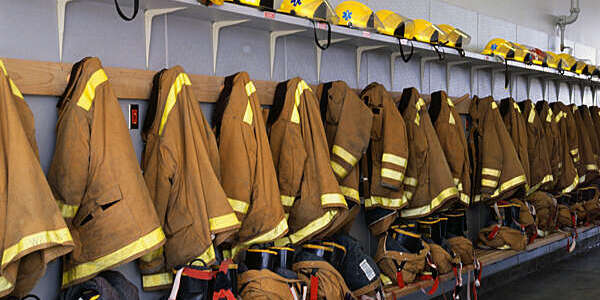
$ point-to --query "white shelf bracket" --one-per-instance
(529, 79)
(557, 88)
(424, 60)
(393, 58)
(61, 6)
(494, 80)
(582, 90)
(149, 14)
(593, 89)
(474, 70)
(273, 41)
(571, 92)
(449, 67)
(215, 28)
(320, 54)
(359, 52)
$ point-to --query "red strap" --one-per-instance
(494, 232)
(400, 279)
(435, 286)
(227, 294)
(533, 237)
(198, 274)
(314, 287)
(225, 266)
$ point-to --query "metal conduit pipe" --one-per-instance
(563, 21)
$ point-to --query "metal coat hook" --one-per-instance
(149, 14)
(320, 54)
(60, 14)
(359, 52)
(216, 27)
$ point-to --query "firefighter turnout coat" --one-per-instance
(247, 172)
(309, 190)
(347, 122)
(515, 125)
(428, 184)
(451, 134)
(497, 170)
(586, 128)
(33, 232)
(540, 171)
(384, 164)
(181, 168)
(569, 151)
(96, 179)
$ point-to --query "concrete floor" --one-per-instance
(577, 277)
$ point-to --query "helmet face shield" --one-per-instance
(569, 63)
(395, 24)
(357, 15)
(318, 10)
(455, 37)
(262, 4)
(428, 33)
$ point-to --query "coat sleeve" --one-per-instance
(289, 156)
(395, 147)
(71, 160)
(352, 137)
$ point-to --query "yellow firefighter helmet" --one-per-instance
(357, 15)
(264, 4)
(318, 10)
(395, 24)
(454, 37)
(428, 33)
(569, 62)
(508, 50)
(553, 60)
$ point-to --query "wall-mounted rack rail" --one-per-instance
(278, 24)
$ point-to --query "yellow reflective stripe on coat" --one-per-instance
(509, 184)
(489, 183)
(394, 159)
(157, 280)
(574, 151)
(67, 211)
(271, 235)
(3, 68)
(350, 193)
(391, 174)
(345, 155)
(287, 200)
(5, 285)
(238, 205)
(385, 280)
(89, 92)
(591, 167)
(435, 204)
(549, 116)
(531, 117)
(544, 180)
(338, 169)
(451, 120)
(142, 244)
(249, 115)
(181, 80)
(494, 105)
(302, 86)
(152, 255)
(490, 172)
(411, 181)
(208, 256)
(313, 226)
(333, 199)
(26, 243)
(15, 89)
(222, 222)
(465, 199)
(572, 186)
(387, 202)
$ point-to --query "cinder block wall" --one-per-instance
(28, 31)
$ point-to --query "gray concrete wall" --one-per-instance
(28, 31)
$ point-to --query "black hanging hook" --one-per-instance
(136, 8)
(322, 47)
